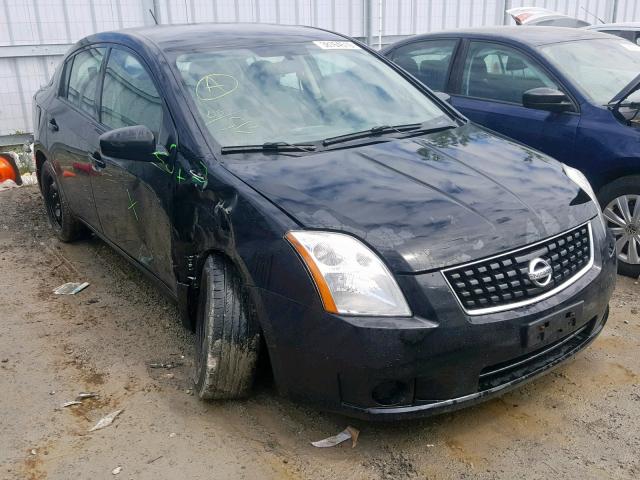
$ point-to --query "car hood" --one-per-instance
(425, 202)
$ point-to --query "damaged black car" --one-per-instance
(297, 194)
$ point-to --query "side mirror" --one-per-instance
(548, 99)
(445, 97)
(129, 143)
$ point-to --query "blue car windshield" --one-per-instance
(298, 93)
(600, 68)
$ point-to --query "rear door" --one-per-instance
(491, 80)
(427, 60)
(134, 197)
(73, 128)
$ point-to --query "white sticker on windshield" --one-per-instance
(335, 45)
(630, 46)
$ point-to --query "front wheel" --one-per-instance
(227, 337)
(620, 202)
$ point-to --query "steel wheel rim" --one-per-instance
(623, 218)
(53, 202)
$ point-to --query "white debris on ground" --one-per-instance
(29, 179)
(7, 184)
(105, 421)
(348, 433)
(70, 288)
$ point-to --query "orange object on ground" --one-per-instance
(7, 171)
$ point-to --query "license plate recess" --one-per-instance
(553, 327)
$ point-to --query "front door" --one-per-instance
(493, 80)
(133, 197)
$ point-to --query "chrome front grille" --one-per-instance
(503, 282)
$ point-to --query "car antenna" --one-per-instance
(592, 14)
(154, 17)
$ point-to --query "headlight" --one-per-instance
(350, 278)
(579, 179)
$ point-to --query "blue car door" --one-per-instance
(492, 80)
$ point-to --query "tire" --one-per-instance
(65, 225)
(624, 191)
(227, 337)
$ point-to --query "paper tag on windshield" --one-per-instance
(335, 45)
(631, 46)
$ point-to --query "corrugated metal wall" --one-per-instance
(35, 33)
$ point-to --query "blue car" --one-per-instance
(570, 93)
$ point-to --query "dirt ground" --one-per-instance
(581, 421)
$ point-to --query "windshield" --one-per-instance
(600, 68)
(298, 92)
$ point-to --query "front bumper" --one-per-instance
(436, 361)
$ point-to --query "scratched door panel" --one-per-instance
(128, 196)
(132, 195)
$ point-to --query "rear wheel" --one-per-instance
(66, 226)
(620, 201)
(227, 338)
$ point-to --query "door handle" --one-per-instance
(53, 125)
(97, 161)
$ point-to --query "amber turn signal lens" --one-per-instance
(318, 278)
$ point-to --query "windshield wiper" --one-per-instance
(269, 147)
(371, 132)
(410, 129)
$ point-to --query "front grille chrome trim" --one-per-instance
(530, 301)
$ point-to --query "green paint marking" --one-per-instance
(180, 177)
(196, 177)
(132, 205)
(163, 165)
(206, 172)
(200, 178)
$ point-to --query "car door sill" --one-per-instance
(166, 289)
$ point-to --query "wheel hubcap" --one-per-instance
(623, 218)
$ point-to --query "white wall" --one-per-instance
(34, 27)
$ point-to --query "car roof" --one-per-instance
(531, 35)
(216, 35)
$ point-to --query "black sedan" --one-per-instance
(293, 190)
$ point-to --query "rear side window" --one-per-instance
(497, 72)
(129, 96)
(83, 79)
(428, 61)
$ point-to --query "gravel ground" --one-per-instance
(581, 421)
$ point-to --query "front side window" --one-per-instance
(297, 93)
(600, 68)
(83, 79)
(496, 72)
(129, 96)
(428, 61)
